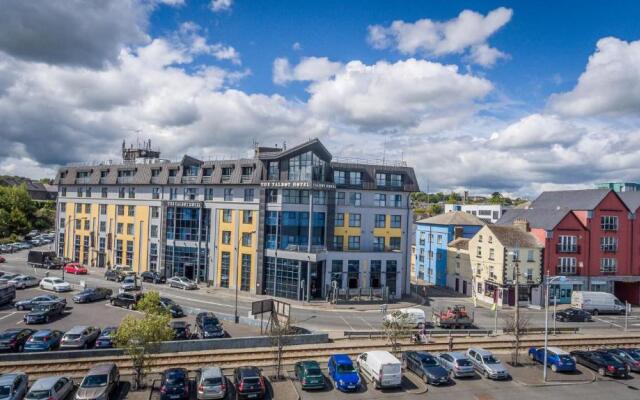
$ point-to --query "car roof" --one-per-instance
(457, 355)
(9, 378)
(342, 359)
(100, 369)
(558, 351)
(77, 329)
(250, 371)
(43, 332)
(309, 364)
(211, 372)
(45, 383)
(481, 351)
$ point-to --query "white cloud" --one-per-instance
(221, 5)
(537, 130)
(309, 69)
(609, 85)
(296, 46)
(189, 35)
(468, 32)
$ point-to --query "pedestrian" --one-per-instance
(450, 343)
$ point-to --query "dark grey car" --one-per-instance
(80, 337)
(13, 386)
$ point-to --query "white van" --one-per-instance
(416, 316)
(597, 302)
(381, 368)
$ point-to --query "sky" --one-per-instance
(512, 96)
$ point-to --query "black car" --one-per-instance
(630, 357)
(603, 362)
(426, 367)
(45, 298)
(44, 312)
(116, 275)
(126, 300)
(573, 315)
(92, 294)
(208, 326)
(181, 330)
(249, 383)
(174, 309)
(14, 339)
(153, 277)
(175, 384)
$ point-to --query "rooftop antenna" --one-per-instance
(284, 145)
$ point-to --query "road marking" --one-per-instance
(367, 322)
(1, 318)
(196, 300)
(346, 322)
(608, 322)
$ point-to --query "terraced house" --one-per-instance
(290, 223)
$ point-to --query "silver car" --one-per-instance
(100, 383)
(80, 337)
(486, 364)
(50, 388)
(457, 363)
(182, 282)
(24, 281)
(211, 384)
(13, 386)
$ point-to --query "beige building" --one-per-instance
(459, 274)
(495, 253)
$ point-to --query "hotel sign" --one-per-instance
(297, 185)
(189, 204)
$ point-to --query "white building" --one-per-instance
(487, 212)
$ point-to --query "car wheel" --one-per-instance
(20, 308)
(601, 371)
(595, 312)
(425, 378)
(554, 368)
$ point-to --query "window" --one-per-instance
(131, 211)
(354, 242)
(61, 224)
(392, 275)
(63, 207)
(354, 220)
(154, 231)
(190, 193)
(246, 239)
(247, 172)
(396, 221)
(153, 256)
(274, 171)
(339, 177)
(567, 265)
(608, 265)
(248, 195)
(339, 221)
(87, 191)
(208, 193)
(86, 224)
(515, 255)
(225, 265)
(132, 192)
(79, 192)
(353, 274)
(247, 217)
(120, 209)
(395, 243)
(87, 208)
(530, 256)
(63, 191)
(155, 193)
(378, 243)
(319, 197)
(381, 179)
(130, 229)
(121, 191)
(340, 198)
(118, 251)
(295, 196)
(155, 212)
(173, 193)
(129, 254)
(609, 223)
(478, 251)
(355, 178)
(78, 208)
(355, 199)
(380, 220)
(173, 172)
(226, 237)
(490, 240)
(228, 194)
(272, 196)
(609, 244)
(529, 275)
(103, 226)
(380, 200)
(245, 272)
(78, 224)
(439, 239)
(336, 273)
(395, 180)
(226, 173)
(155, 172)
(492, 254)
(480, 238)
(375, 274)
(567, 244)
(226, 215)
(102, 244)
(104, 191)
(396, 200)
(191, 170)
(207, 171)
(338, 242)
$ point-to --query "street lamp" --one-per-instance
(546, 321)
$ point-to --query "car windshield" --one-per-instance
(344, 368)
(72, 336)
(565, 358)
(463, 362)
(38, 394)
(314, 372)
(429, 362)
(175, 380)
(5, 391)
(609, 358)
(7, 335)
(41, 307)
(212, 381)
(94, 381)
(490, 360)
(251, 380)
(211, 323)
(55, 281)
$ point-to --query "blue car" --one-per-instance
(558, 359)
(105, 340)
(344, 375)
(44, 340)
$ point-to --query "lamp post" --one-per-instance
(515, 253)
(546, 321)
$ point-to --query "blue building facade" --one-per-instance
(432, 236)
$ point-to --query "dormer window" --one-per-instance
(226, 173)
(207, 171)
(155, 172)
(104, 173)
(191, 170)
(173, 172)
(247, 171)
(124, 173)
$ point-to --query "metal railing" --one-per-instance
(189, 179)
(364, 161)
(83, 180)
(563, 248)
(566, 270)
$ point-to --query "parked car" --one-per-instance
(80, 337)
(129, 283)
(211, 384)
(602, 362)
(558, 359)
(13, 386)
(76, 269)
(44, 259)
(573, 315)
(631, 357)
(486, 364)
(7, 293)
(415, 317)
(426, 367)
(13, 340)
(105, 340)
(92, 294)
(44, 312)
(174, 309)
(174, 384)
(181, 282)
(50, 388)
(44, 340)
(118, 273)
(249, 383)
(181, 330)
(153, 277)
(28, 304)
(309, 374)
(24, 281)
(381, 368)
(55, 284)
(597, 302)
(8, 276)
(209, 326)
(126, 300)
(457, 364)
(101, 382)
(343, 374)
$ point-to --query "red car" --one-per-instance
(75, 268)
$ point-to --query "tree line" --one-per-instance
(19, 214)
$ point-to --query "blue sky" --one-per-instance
(517, 97)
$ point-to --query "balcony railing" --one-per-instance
(83, 180)
(125, 179)
(609, 249)
(567, 271)
(174, 179)
(156, 179)
(226, 178)
(189, 179)
(305, 249)
(564, 248)
(207, 179)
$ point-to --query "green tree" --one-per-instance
(496, 198)
(452, 199)
(396, 326)
(435, 209)
(150, 304)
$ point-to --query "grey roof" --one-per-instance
(512, 236)
(453, 218)
(45, 383)
(546, 219)
(7, 379)
(586, 199)
(459, 243)
(631, 200)
(99, 369)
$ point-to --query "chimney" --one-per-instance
(521, 224)
(457, 232)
